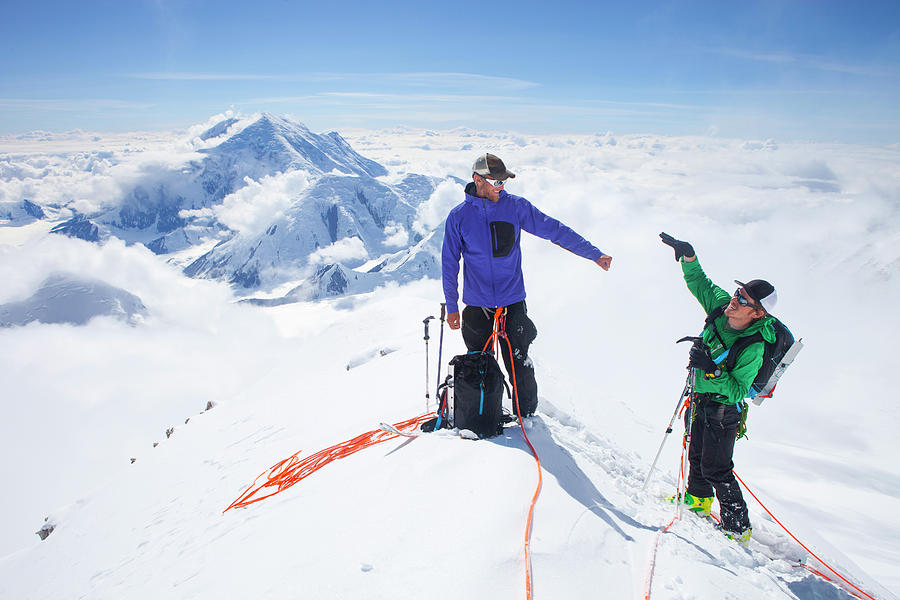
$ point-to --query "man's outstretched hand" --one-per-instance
(604, 261)
(681, 248)
(453, 320)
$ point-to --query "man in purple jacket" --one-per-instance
(485, 231)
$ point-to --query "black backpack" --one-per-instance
(478, 385)
(777, 355)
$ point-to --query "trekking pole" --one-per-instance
(427, 396)
(437, 393)
(684, 391)
(685, 458)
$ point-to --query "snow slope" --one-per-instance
(441, 515)
(437, 513)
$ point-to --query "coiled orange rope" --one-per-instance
(291, 470)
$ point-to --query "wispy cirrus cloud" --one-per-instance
(419, 79)
(374, 97)
(814, 62)
(459, 79)
(183, 76)
(70, 105)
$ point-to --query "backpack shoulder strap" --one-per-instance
(715, 314)
(738, 346)
(711, 322)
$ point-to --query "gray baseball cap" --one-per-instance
(488, 165)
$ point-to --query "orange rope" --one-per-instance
(495, 337)
(826, 565)
(648, 582)
(817, 572)
(812, 570)
(291, 470)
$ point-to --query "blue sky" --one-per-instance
(790, 70)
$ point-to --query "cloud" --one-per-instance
(397, 236)
(256, 205)
(433, 211)
(88, 182)
(343, 250)
(183, 76)
(420, 79)
(814, 62)
(459, 80)
(79, 105)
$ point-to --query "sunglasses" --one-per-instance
(494, 182)
(743, 301)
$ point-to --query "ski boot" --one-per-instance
(739, 537)
(701, 506)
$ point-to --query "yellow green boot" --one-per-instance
(741, 538)
(700, 506)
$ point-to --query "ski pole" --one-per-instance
(684, 391)
(427, 396)
(688, 388)
(437, 393)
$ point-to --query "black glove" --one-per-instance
(701, 360)
(681, 248)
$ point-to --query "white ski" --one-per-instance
(788, 358)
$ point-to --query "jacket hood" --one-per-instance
(764, 326)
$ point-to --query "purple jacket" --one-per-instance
(486, 235)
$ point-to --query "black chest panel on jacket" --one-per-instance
(503, 238)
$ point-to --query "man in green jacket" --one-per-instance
(719, 393)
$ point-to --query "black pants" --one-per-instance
(713, 434)
(477, 327)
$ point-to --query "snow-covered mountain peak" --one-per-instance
(279, 145)
(218, 129)
(69, 298)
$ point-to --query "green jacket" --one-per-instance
(732, 386)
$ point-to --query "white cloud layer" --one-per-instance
(397, 236)
(256, 205)
(344, 250)
(434, 210)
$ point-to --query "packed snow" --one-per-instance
(131, 439)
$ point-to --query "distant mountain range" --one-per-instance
(348, 231)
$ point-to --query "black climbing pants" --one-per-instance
(713, 433)
(477, 327)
